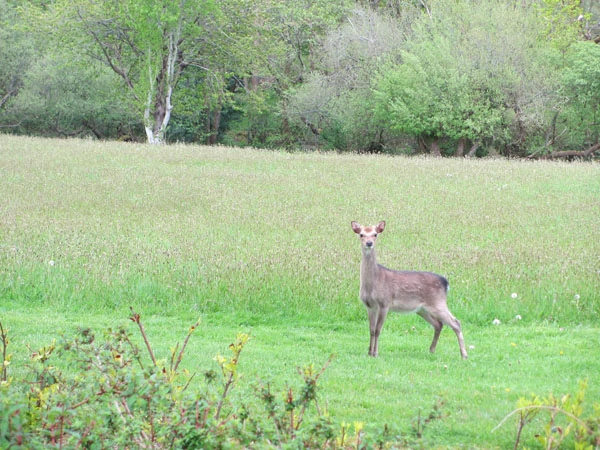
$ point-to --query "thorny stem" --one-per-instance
(188, 382)
(135, 351)
(136, 318)
(83, 402)
(418, 427)
(290, 401)
(4, 337)
(225, 391)
(61, 431)
(522, 423)
(314, 381)
(185, 342)
(151, 420)
(173, 352)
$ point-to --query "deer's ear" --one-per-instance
(380, 227)
(356, 227)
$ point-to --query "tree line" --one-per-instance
(447, 77)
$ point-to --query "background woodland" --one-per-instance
(512, 78)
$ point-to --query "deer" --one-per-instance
(383, 290)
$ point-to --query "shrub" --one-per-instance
(565, 421)
(114, 395)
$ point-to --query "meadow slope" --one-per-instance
(261, 241)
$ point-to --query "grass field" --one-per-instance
(260, 241)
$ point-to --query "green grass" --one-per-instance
(261, 241)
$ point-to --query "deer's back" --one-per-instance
(405, 291)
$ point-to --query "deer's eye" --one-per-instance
(362, 234)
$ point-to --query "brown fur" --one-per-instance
(383, 290)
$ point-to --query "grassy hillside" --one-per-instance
(179, 229)
(261, 241)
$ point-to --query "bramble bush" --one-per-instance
(116, 395)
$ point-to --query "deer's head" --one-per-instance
(368, 235)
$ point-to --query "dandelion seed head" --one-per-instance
(518, 317)
(496, 322)
(51, 262)
(514, 295)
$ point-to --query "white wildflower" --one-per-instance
(513, 295)
(496, 322)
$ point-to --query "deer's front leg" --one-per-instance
(376, 319)
(373, 316)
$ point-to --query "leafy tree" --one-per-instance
(409, 103)
(147, 44)
(334, 105)
(563, 21)
(571, 116)
(16, 50)
(579, 123)
(466, 74)
(47, 90)
(592, 20)
(288, 38)
(350, 75)
(61, 96)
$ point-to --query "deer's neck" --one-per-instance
(368, 270)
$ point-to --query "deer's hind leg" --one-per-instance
(455, 325)
(447, 318)
(435, 323)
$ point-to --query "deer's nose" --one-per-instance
(369, 244)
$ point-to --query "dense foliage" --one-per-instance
(446, 77)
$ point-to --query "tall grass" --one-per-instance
(183, 229)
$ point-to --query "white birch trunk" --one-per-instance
(155, 131)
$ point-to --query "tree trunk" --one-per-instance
(460, 149)
(160, 93)
(435, 147)
(311, 126)
(521, 128)
(572, 153)
(422, 144)
(156, 126)
(473, 149)
(214, 125)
